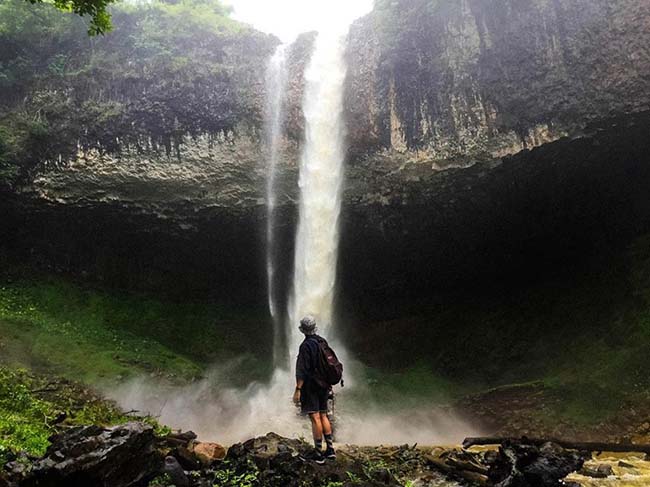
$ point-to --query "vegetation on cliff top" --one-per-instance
(167, 69)
(100, 19)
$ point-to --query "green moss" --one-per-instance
(406, 388)
(33, 407)
(96, 337)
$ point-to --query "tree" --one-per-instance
(100, 21)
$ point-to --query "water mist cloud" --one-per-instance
(217, 411)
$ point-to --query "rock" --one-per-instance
(4, 481)
(208, 453)
(601, 471)
(186, 458)
(521, 465)
(280, 462)
(175, 439)
(122, 456)
(17, 468)
(384, 476)
(623, 464)
(175, 472)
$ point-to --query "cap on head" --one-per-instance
(308, 325)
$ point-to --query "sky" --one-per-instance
(288, 18)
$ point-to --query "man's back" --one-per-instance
(308, 358)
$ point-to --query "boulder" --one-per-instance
(121, 456)
(519, 464)
(601, 471)
(175, 472)
(283, 462)
(208, 453)
(186, 458)
(180, 438)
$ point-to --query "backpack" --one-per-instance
(329, 371)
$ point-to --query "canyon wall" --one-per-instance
(486, 139)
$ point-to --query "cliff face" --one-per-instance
(451, 83)
(157, 171)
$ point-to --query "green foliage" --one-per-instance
(97, 336)
(33, 407)
(100, 19)
(167, 69)
(353, 477)
(228, 476)
(161, 480)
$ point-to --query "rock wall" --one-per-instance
(454, 82)
(444, 101)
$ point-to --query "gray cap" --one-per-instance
(308, 325)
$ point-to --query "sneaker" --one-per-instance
(330, 454)
(315, 456)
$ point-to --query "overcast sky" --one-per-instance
(288, 18)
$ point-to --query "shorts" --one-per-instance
(313, 399)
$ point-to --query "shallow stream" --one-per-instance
(630, 470)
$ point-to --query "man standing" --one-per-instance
(310, 392)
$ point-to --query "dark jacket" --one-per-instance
(308, 355)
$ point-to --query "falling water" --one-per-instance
(321, 174)
(276, 81)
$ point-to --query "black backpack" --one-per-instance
(329, 371)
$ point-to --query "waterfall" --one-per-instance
(276, 81)
(321, 174)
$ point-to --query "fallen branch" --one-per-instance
(44, 389)
(569, 445)
(468, 475)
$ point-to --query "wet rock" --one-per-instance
(601, 471)
(180, 439)
(282, 462)
(523, 465)
(175, 472)
(186, 458)
(122, 456)
(384, 476)
(208, 453)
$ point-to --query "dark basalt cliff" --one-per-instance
(448, 83)
(486, 139)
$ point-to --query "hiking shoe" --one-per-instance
(314, 456)
(330, 454)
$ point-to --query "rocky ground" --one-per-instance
(93, 443)
(531, 409)
(133, 455)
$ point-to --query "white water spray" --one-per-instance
(321, 176)
(276, 82)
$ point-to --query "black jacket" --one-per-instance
(308, 355)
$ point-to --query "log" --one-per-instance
(468, 475)
(569, 445)
(467, 465)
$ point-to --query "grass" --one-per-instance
(34, 407)
(96, 336)
(407, 388)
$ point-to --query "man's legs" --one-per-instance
(325, 421)
(317, 429)
(327, 430)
